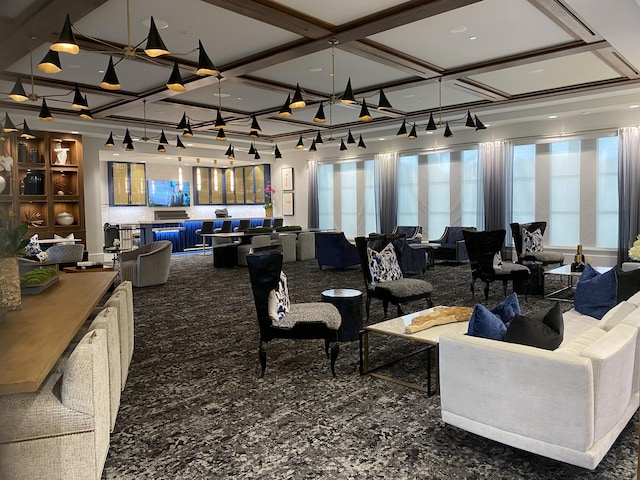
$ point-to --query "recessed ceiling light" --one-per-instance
(429, 132)
(221, 95)
(382, 139)
(409, 95)
(634, 106)
(100, 71)
(586, 112)
(315, 69)
(550, 116)
(537, 70)
(160, 24)
(458, 29)
(73, 132)
(116, 154)
(189, 144)
(473, 37)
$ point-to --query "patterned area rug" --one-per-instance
(195, 407)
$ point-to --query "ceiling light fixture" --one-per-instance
(285, 111)
(320, 118)
(297, 101)
(277, 153)
(313, 147)
(300, 144)
(383, 103)
(175, 83)
(361, 143)
(8, 126)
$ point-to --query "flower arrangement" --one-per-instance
(5, 163)
(634, 251)
(268, 191)
(12, 242)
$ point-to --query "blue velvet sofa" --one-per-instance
(334, 250)
(452, 247)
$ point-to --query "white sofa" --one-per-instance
(569, 404)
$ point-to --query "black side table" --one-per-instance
(349, 303)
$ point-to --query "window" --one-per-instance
(127, 184)
(325, 196)
(524, 183)
(607, 193)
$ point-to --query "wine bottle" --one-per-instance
(578, 261)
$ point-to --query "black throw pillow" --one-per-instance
(544, 329)
(628, 283)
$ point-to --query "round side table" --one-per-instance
(349, 303)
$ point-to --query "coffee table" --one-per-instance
(428, 338)
(565, 294)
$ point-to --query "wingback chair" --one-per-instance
(397, 291)
(278, 318)
(412, 233)
(527, 238)
(486, 265)
(452, 247)
(334, 250)
(147, 265)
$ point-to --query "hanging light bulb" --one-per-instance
(347, 96)
(205, 65)
(175, 82)
(110, 80)
(50, 63)
(45, 114)
(8, 126)
(17, 92)
(26, 131)
(285, 111)
(364, 116)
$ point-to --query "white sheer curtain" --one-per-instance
(493, 164)
(628, 189)
(387, 192)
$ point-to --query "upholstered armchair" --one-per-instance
(147, 265)
(411, 233)
(527, 238)
(65, 254)
(384, 279)
(484, 249)
(62, 430)
(278, 318)
(306, 246)
(410, 260)
(257, 241)
(451, 245)
(334, 250)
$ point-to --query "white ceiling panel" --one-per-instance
(338, 12)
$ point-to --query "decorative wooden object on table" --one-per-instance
(33, 338)
(439, 316)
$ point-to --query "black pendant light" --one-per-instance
(109, 142)
(8, 126)
(350, 138)
(175, 83)
(50, 63)
(300, 144)
(155, 46)
(45, 114)
(447, 131)
(110, 80)
(285, 111)
(383, 103)
(179, 144)
(364, 116)
(318, 139)
(320, 118)
(343, 147)
(221, 136)
(313, 147)
(66, 41)
(361, 143)
(297, 101)
(413, 134)
(431, 124)
(205, 65)
(78, 100)
(347, 96)
(403, 128)
(163, 138)
(277, 153)
(26, 131)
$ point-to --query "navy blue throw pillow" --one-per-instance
(596, 293)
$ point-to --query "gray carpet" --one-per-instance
(195, 408)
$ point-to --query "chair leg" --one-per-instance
(262, 354)
(367, 307)
(400, 311)
(505, 285)
(486, 291)
(473, 287)
(385, 307)
(429, 301)
(335, 349)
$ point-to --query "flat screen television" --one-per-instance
(167, 193)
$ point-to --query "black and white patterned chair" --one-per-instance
(384, 279)
(527, 238)
(278, 318)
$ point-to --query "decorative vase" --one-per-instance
(3, 183)
(10, 296)
(268, 211)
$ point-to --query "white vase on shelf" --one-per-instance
(3, 183)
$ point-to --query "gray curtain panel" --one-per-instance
(493, 163)
(628, 190)
(387, 191)
(313, 214)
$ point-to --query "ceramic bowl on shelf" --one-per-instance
(64, 218)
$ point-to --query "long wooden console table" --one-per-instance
(33, 338)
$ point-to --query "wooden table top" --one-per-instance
(33, 338)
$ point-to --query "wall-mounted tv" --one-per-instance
(167, 193)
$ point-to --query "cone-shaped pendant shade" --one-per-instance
(109, 142)
(313, 147)
(50, 63)
(17, 92)
(183, 122)
(319, 138)
(277, 153)
(479, 124)
(343, 147)
(383, 103)
(179, 144)
(431, 124)
(347, 96)
(447, 131)
(297, 101)
(155, 46)
(230, 153)
(163, 138)
(365, 116)
(66, 41)
(45, 114)
(221, 137)
(175, 82)
(403, 129)
(300, 144)
(252, 149)
(413, 134)
(8, 126)
(320, 118)
(127, 137)
(219, 121)
(205, 65)
(129, 147)
(350, 138)
(256, 155)
(162, 149)
(469, 123)
(110, 80)
(361, 143)
(26, 131)
(188, 133)
(85, 113)
(255, 127)
(285, 111)
(79, 100)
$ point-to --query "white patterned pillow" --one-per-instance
(497, 261)
(278, 303)
(531, 241)
(69, 237)
(33, 247)
(384, 265)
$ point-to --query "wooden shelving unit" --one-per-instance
(46, 180)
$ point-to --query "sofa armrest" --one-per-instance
(502, 390)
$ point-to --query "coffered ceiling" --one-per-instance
(500, 59)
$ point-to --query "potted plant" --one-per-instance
(268, 206)
(12, 245)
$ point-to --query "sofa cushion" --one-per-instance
(507, 309)
(70, 239)
(531, 241)
(578, 344)
(628, 283)
(614, 316)
(596, 292)
(278, 302)
(493, 323)
(543, 329)
(384, 265)
(33, 247)
(635, 299)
